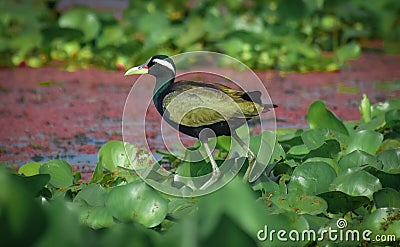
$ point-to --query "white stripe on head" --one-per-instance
(165, 64)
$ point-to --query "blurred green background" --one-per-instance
(287, 35)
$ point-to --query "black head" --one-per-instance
(158, 66)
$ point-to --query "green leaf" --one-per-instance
(138, 202)
(357, 158)
(390, 160)
(60, 173)
(92, 195)
(339, 202)
(311, 178)
(356, 183)
(319, 116)
(365, 109)
(368, 141)
(96, 217)
(299, 150)
(348, 51)
(30, 168)
(387, 198)
(301, 204)
(116, 153)
(35, 183)
(383, 222)
(81, 19)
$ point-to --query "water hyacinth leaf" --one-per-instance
(81, 19)
(356, 183)
(137, 202)
(314, 138)
(30, 168)
(368, 141)
(387, 198)
(392, 118)
(390, 160)
(382, 108)
(339, 202)
(383, 222)
(116, 153)
(319, 116)
(348, 51)
(311, 178)
(60, 173)
(96, 217)
(35, 183)
(301, 204)
(92, 195)
(299, 150)
(329, 149)
(386, 179)
(357, 158)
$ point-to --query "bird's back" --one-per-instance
(195, 104)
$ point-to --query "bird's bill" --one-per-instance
(138, 70)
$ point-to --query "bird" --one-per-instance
(201, 109)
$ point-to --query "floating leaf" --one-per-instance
(60, 173)
(137, 202)
(30, 168)
(96, 217)
(348, 51)
(116, 153)
(300, 204)
(390, 160)
(339, 202)
(365, 140)
(319, 116)
(357, 183)
(383, 222)
(92, 195)
(387, 198)
(311, 178)
(81, 19)
(357, 158)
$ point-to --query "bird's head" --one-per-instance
(158, 66)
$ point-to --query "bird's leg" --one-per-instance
(250, 155)
(216, 172)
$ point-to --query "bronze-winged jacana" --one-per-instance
(196, 108)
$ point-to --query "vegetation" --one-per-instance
(275, 34)
(332, 170)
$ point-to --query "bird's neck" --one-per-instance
(160, 90)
